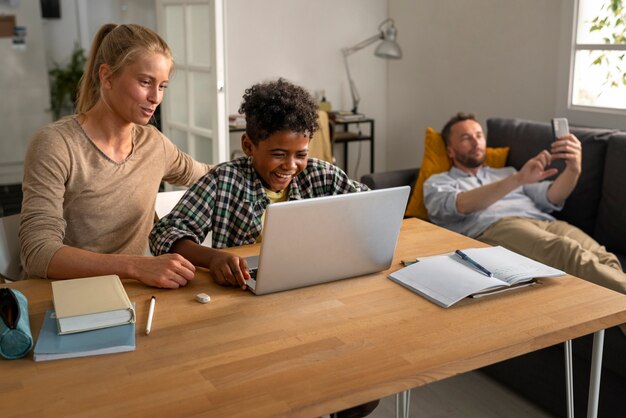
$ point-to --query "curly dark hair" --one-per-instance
(459, 117)
(278, 106)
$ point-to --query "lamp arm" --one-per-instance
(362, 44)
(349, 51)
(353, 91)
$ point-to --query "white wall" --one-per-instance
(493, 57)
(496, 58)
(60, 35)
(24, 89)
(301, 40)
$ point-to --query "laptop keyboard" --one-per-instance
(252, 272)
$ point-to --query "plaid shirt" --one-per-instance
(230, 200)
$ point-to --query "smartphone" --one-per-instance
(560, 127)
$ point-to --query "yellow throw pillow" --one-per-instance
(436, 161)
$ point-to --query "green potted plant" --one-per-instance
(64, 83)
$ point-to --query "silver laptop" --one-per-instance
(312, 241)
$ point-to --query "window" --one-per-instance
(599, 61)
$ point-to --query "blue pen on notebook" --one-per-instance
(473, 263)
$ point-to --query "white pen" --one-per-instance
(150, 315)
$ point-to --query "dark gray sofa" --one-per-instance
(598, 207)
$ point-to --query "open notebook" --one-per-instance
(312, 241)
(446, 279)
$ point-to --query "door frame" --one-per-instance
(219, 126)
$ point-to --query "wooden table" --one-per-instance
(304, 352)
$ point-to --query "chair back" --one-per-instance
(166, 201)
(320, 146)
(10, 248)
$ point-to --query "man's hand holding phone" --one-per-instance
(566, 146)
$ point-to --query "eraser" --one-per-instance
(203, 298)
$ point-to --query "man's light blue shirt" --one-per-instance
(441, 190)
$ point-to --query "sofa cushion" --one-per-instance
(434, 161)
(525, 138)
(582, 205)
(611, 224)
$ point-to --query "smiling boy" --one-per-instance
(230, 201)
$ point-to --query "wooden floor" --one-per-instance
(464, 396)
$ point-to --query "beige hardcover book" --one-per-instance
(91, 303)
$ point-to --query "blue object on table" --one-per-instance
(472, 262)
(16, 339)
(52, 346)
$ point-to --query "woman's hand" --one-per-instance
(169, 271)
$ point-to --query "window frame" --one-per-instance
(579, 114)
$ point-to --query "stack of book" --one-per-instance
(237, 121)
(346, 116)
(92, 316)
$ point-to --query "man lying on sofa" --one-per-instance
(503, 206)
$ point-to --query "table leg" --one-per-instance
(345, 157)
(596, 371)
(569, 379)
(403, 400)
(372, 147)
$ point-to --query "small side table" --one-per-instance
(236, 128)
(345, 136)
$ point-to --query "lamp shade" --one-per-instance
(389, 48)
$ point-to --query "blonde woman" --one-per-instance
(91, 179)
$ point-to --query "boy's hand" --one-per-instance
(229, 269)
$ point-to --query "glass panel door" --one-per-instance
(194, 105)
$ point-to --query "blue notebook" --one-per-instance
(52, 346)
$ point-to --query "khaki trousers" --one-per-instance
(560, 245)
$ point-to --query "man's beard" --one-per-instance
(471, 162)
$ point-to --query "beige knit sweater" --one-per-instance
(75, 195)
